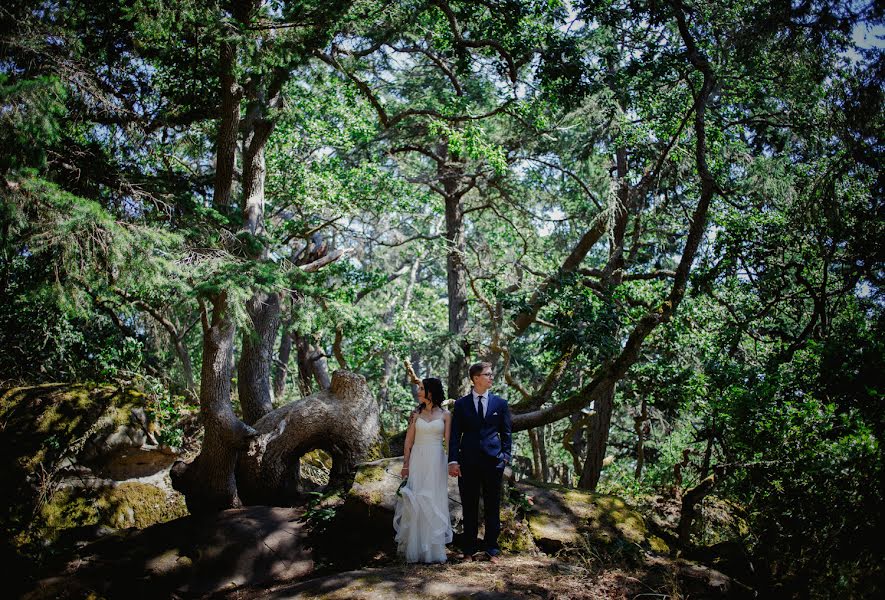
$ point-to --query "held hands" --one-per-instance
(454, 470)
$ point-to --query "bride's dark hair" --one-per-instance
(434, 390)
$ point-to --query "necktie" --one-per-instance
(480, 409)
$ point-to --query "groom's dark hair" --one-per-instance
(477, 368)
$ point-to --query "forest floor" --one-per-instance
(520, 577)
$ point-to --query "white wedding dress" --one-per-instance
(421, 518)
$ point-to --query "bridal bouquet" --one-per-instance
(399, 490)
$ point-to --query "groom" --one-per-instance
(478, 452)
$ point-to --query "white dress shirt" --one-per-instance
(476, 398)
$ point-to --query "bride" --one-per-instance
(421, 518)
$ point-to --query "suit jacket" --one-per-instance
(472, 438)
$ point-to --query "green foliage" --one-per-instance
(166, 410)
(471, 141)
(320, 511)
(30, 120)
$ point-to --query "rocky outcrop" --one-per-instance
(549, 517)
(79, 456)
(556, 520)
(563, 517)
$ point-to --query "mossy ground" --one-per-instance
(567, 518)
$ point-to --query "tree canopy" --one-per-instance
(660, 221)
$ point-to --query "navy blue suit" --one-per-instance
(482, 448)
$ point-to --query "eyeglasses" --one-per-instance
(489, 374)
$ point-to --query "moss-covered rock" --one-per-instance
(563, 517)
(75, 456)
(48, 423)
(129, 504)
(532, 515)
(516, 536)
(658, 545)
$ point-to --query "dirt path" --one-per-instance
(513, 577)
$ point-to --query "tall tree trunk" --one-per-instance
(457, 284)
(320, 367)
(539, 454)
(312, 364)
(256, 356)
(578, 442)
(254, 172)
(597, 441)
(639, 425)
(281, 370)
(305, 366)
(187, 368)
(537, 472)
(208, 483)
(573, 439)
(226, 143)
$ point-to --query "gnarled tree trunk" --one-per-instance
(281, 372)
(208, 483)
(343, 421)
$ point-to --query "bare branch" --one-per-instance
(573, 176)
(325, 260)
